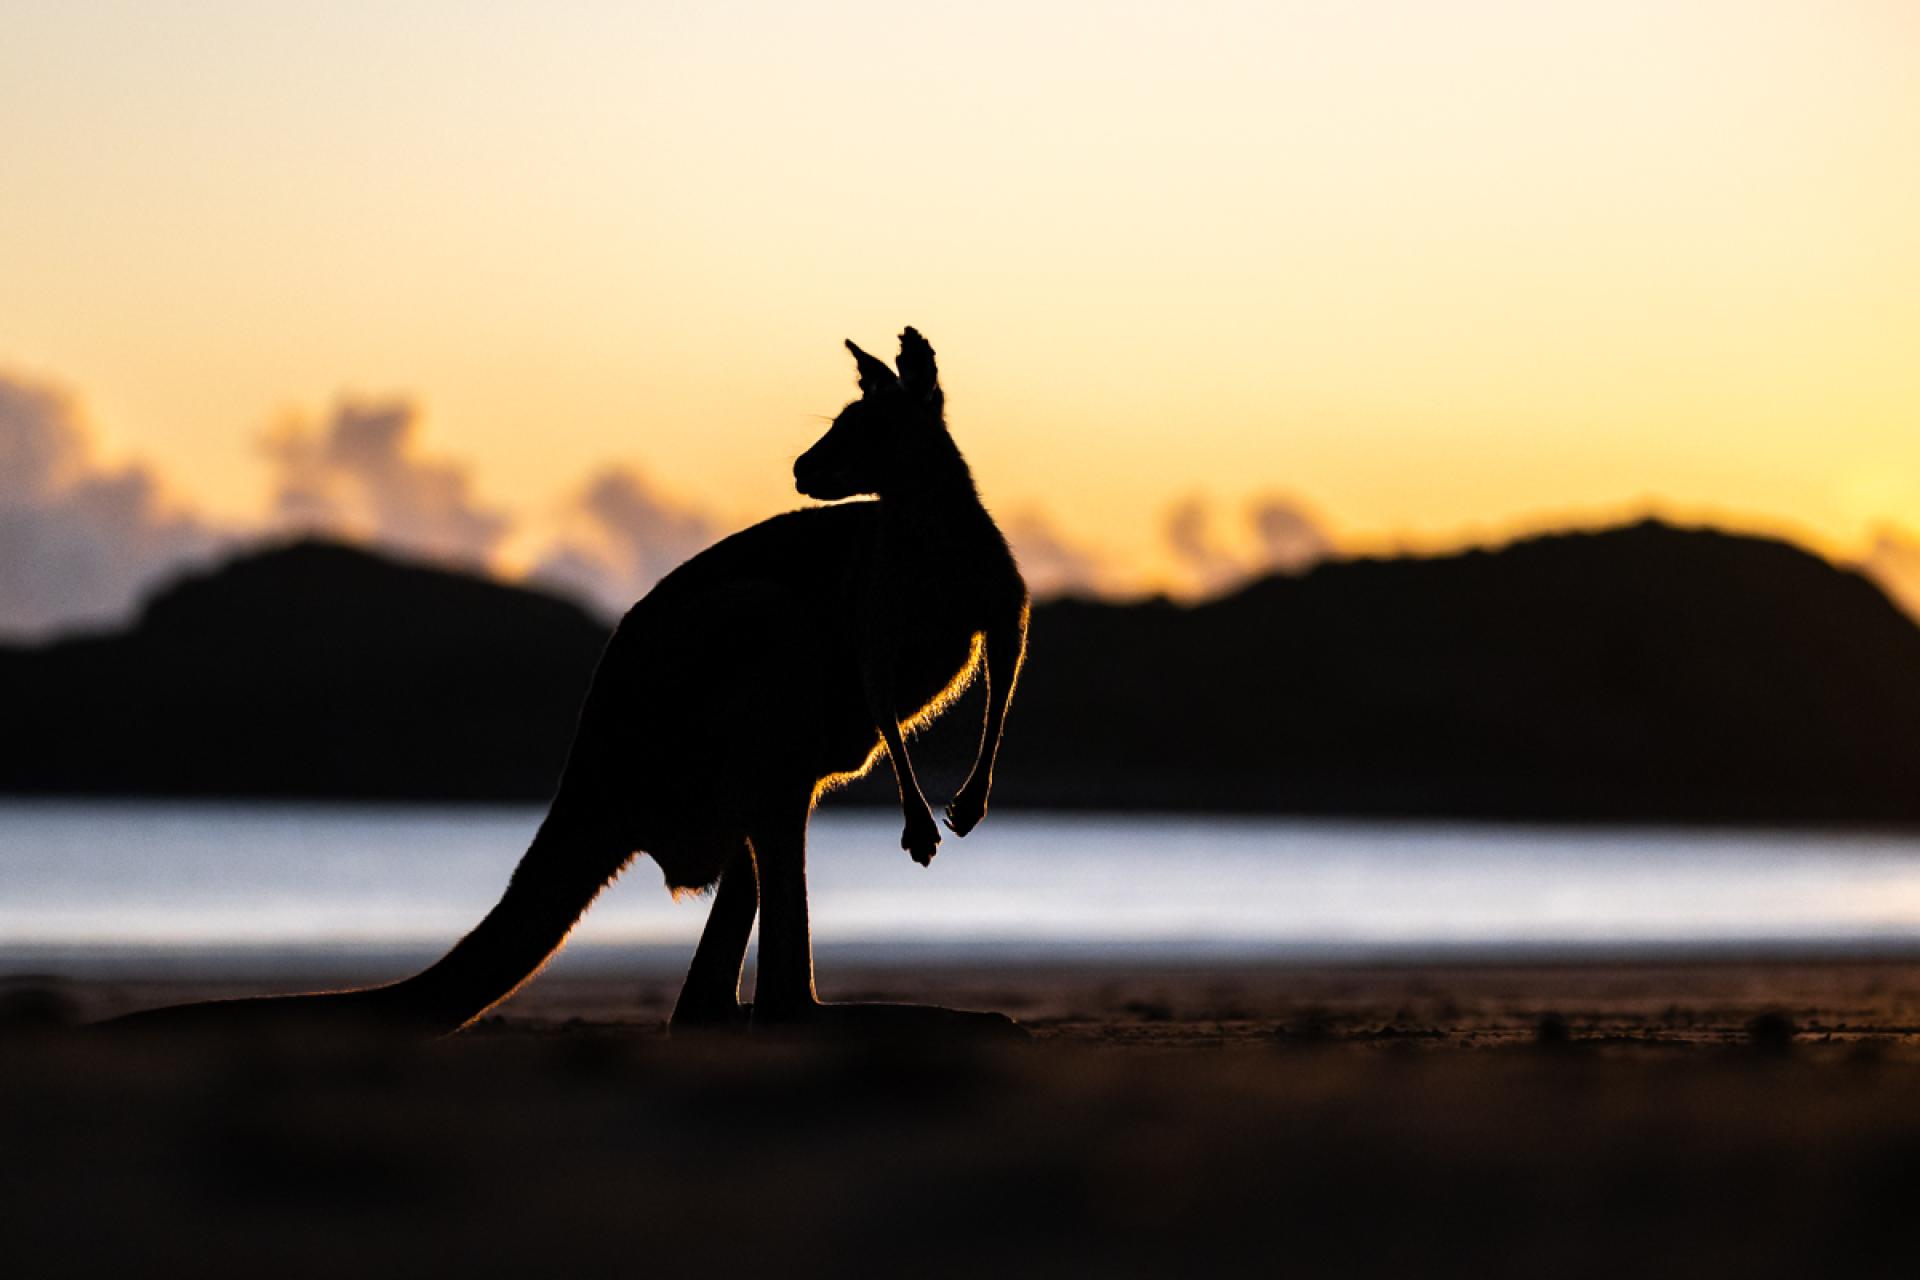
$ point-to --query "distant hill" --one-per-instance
(1643, 672)
(308, 670)
(1637, 673)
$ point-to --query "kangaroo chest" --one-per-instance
(929, 606)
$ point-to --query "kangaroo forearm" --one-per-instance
(1005, 654)
(981, 775)
(912, 799)
(920, 836)
(886, 719)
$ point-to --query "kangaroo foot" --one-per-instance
(889, 1022)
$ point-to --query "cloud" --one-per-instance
(621, 537)
(1279, 536)
(1189, 532)
(79, 540)
(359, 474)
(1051, 565)
(1288, 538)
(1894, 563)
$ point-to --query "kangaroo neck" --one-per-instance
(935, 507)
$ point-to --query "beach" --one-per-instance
(1728, 1115)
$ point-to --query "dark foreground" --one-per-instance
(1707, 1120)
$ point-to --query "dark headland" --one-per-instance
(1644, 672)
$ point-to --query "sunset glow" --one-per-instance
(1430, 273)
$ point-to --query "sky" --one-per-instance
(1214, 286)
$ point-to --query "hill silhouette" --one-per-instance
(1637, 673)
(310, 670)
(1643, 672)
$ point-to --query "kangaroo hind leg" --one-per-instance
(710, 996)
(784, 996)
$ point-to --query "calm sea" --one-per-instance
(88, 882)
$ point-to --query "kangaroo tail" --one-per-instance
(574, 855)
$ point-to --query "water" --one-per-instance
(77, 877)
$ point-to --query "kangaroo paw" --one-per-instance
(921, 839)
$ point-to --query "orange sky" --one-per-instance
(1434, 270)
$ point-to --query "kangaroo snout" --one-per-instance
(816, 481)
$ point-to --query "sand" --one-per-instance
(1581, 1119)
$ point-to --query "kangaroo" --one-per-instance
(777, 664)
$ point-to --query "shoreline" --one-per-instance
(360, 961)
(1462, 1001)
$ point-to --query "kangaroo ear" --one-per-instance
(875, 377)
(918, 376)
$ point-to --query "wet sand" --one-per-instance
(1580, 1119)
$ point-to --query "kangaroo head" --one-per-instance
(892, 433)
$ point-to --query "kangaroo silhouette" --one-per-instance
(775, 665)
